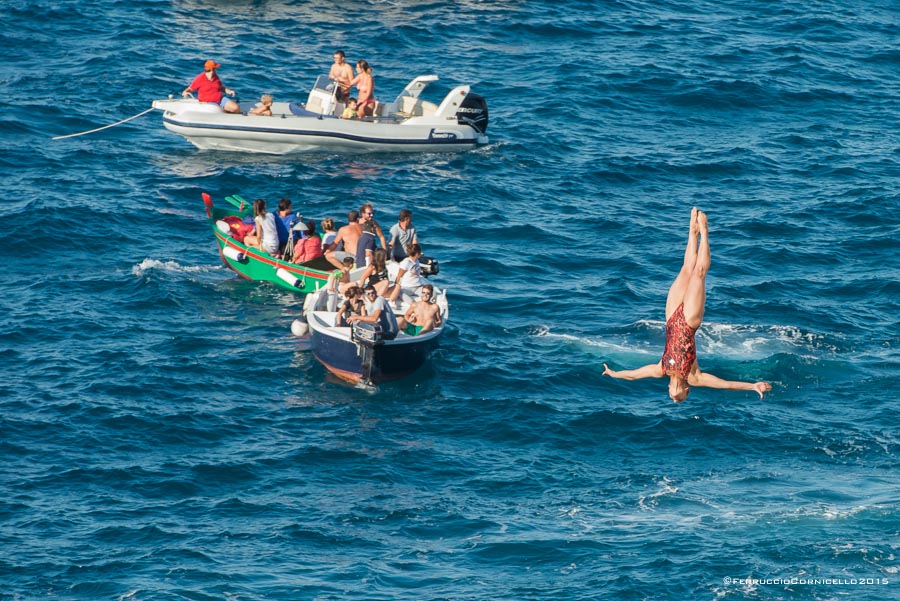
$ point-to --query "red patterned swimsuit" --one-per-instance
(681, 350)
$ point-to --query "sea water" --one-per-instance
(164, 436)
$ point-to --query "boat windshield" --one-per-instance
(324, 84)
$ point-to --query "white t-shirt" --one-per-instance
(412, 274)
(265, 225)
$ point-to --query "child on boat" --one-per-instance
(350, 111)
(343, 282)
(265, 106)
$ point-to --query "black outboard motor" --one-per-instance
(367, 336)
(429, 266)
(473, 111)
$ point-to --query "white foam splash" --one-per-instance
(148, 265)
(649, 502)
(722, 340)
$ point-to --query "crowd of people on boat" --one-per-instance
(361, 243)
(210, 88)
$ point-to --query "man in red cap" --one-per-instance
(210, 88)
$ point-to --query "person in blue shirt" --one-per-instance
(285, 220)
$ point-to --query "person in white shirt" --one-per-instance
(265, 235)
(409, 276)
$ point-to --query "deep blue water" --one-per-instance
(163, 436)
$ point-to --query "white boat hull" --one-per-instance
(309, 134)
(425, 127)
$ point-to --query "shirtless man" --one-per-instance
(349, 236)
(341, 73)
(684, 314)
(423, 315)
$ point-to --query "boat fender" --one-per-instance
(289, 277)
(300, 327)
(223, 227)
(233, 254)
(309, 303)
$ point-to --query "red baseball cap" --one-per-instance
(211, 64)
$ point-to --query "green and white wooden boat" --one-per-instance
(257, 265)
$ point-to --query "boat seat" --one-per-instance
(314, 105)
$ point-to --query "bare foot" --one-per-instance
(694, 229)
(702, 223)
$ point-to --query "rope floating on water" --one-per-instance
(105, 126)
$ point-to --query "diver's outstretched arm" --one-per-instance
(710, 381)
(653, 370)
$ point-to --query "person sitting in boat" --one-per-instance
(265, 234)
(344, 243)
(409, 276)
(378, 311)
(310, 246)
(265, 106)
(285, 220)
(350, 111)
(328, 232)
(376, 272)
(365, 86)
(353, 305)
(402, 233)
(341, 74)
(423, 315)
(210, 88)
(342, 283)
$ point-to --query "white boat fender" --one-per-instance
(289, 277)
(233, 254)
(223, 227)
(308, 303)
(300, 327)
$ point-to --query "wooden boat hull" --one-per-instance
(260, 266)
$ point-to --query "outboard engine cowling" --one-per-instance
(473, 111)
(429, 266)
(367, 334)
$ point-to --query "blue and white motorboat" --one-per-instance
(358, 354)
(407, 124)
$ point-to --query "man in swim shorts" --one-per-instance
(423, 315)
(684, 313)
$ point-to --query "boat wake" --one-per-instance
(148, 266)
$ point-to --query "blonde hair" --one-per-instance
(266, 99)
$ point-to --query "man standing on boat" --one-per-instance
(210, 88)
(341, 73)
(348, 236)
